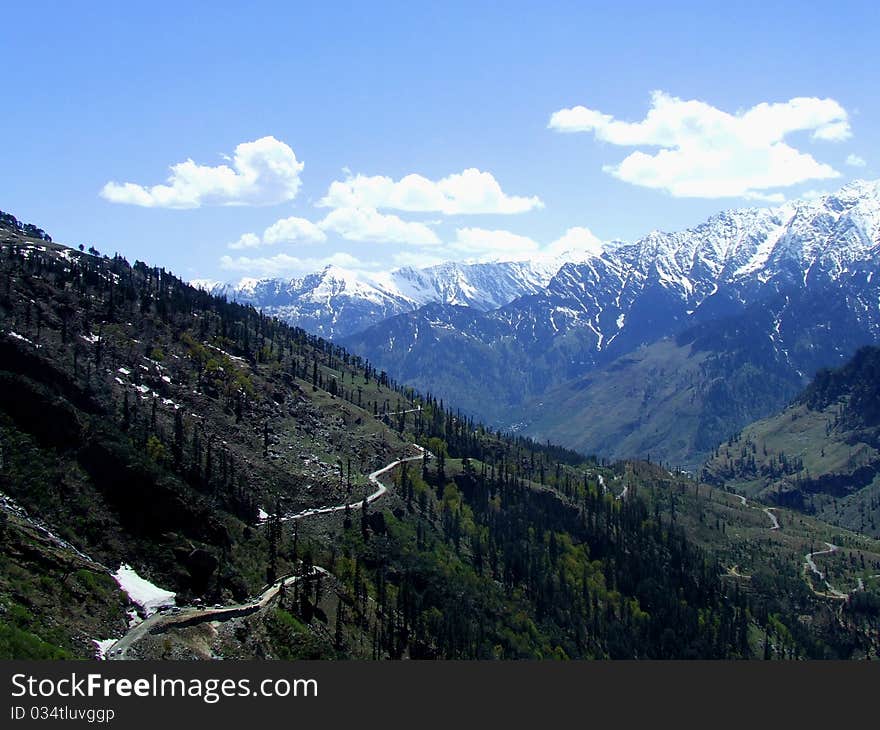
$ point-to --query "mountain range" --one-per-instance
(337, 302)
(741, 310)
(185, 477)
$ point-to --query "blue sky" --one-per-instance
(365, 95)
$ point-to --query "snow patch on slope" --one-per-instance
(141, 592)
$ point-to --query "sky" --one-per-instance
(222, 141)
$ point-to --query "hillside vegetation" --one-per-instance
(821, 455)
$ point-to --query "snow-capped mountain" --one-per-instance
(800, 283)
(331, 303)
(336, 302)
(634, 292)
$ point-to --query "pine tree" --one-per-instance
(364, 520)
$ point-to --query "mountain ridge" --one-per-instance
(336, 302)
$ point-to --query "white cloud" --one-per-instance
(855, 161)
(764, 197)
(709, 153)
(834, 131)
(283, 263)
(293, 230)
(263, 172)
(481, 244)
(286, 230)
(247, 240)
(361, 225)
(490, 245)
(470, 191)
(364, 224)
(576, 240)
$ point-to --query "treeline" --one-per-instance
(7, 220)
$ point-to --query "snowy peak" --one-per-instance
(702, 326)
(334, 281)
(337, 301)
(758, 244)
(630, 292)
(483, 286)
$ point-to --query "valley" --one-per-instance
(300, 502)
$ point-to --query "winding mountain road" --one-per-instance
(417, 409)
(374, 480)
(773, 518)
(810, 565)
